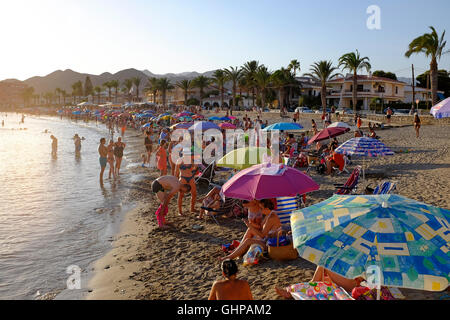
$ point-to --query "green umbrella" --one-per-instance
(243, 158)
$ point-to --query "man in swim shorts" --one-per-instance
(231, 288)
(103, 152)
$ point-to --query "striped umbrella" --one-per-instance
(441, 110)
(364, 147)
(405, 240)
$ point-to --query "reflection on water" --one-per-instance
(48, 209)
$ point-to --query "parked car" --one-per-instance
(344, 111)
(303, 110)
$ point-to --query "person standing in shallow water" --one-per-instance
(77, 142)
(119, 146)
(103, 152)
(54, 145)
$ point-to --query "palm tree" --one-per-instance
(249, 70)
(353, 62)
(115, 84)
(128, 84)
(64, 95)
(185, 85)
(234, 75)
(262, 79)
(432, 46)
(164, 85)
(98, 90)
(109, 86)
(220, 78)
(137, 83)
(77, 90)
(58, 94)
(280, 80)
(294, 66)
(323, 71)
(201, 82)
(152, 86)
(27, 95)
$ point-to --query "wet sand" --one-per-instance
(182, 263)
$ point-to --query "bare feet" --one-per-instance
(283, 293)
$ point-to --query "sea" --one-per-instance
(54, 215)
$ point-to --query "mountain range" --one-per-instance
(65, 79)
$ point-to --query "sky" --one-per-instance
(96, 36)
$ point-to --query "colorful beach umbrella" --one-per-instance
(441, 110)
(341, 125)
(328, 133)
(284, 126)
(182, 125)
(406, 240)
(243, 158)
(185, 119)
(227, 126)
(266, 181)
(214, 118)
(364, 147)
(204, 125)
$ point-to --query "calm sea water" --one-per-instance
(53, 212)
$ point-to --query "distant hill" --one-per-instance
(65, 79)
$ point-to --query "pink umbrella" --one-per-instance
(232, 118)
(328, 133)
(226, 126)
(267, 181)
(182, 114)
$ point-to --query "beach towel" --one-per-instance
(161, 215)
(318, 291)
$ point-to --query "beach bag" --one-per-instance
(282, 252)
(253, 254)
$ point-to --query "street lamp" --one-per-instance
(417, 103)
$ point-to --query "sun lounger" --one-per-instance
(352, 183)
(386, 187)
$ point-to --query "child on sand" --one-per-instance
(144, 159)
(161, 156)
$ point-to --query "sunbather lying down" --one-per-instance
(322, 275)
(212, 201)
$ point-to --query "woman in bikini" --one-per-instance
(185, 170)
(161, 155)
(270, 225)
(110, 159)
(119, 146)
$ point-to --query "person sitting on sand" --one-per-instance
(335, 160)
(270, 225)
(324, 275)
(185, 170)
(255, 216)
(231, 288)
(358, 133)
(212, 201)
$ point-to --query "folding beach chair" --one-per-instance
(285, 207)
(207, 175)
(352, 183)
(229, 208)
(386, 187)
(346, 163)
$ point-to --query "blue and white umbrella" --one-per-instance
(441, 110)
(364, 147)
(284, 126)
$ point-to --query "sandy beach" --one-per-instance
(182, 263)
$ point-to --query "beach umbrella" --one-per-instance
(441, 110)
(225, 119)
(405, 240)
(182, 114)
(198, 116)
(214, 118)
(284, 126)
(364, 147)
(227, 126)
(232, 117)
(328, 133)
(243, 158)
(147, 125)
(204, 125)
(267, 181)
(182, 125)
(341, 125)
(76, 112)
(185, 119)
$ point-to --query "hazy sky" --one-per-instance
(95, 36)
